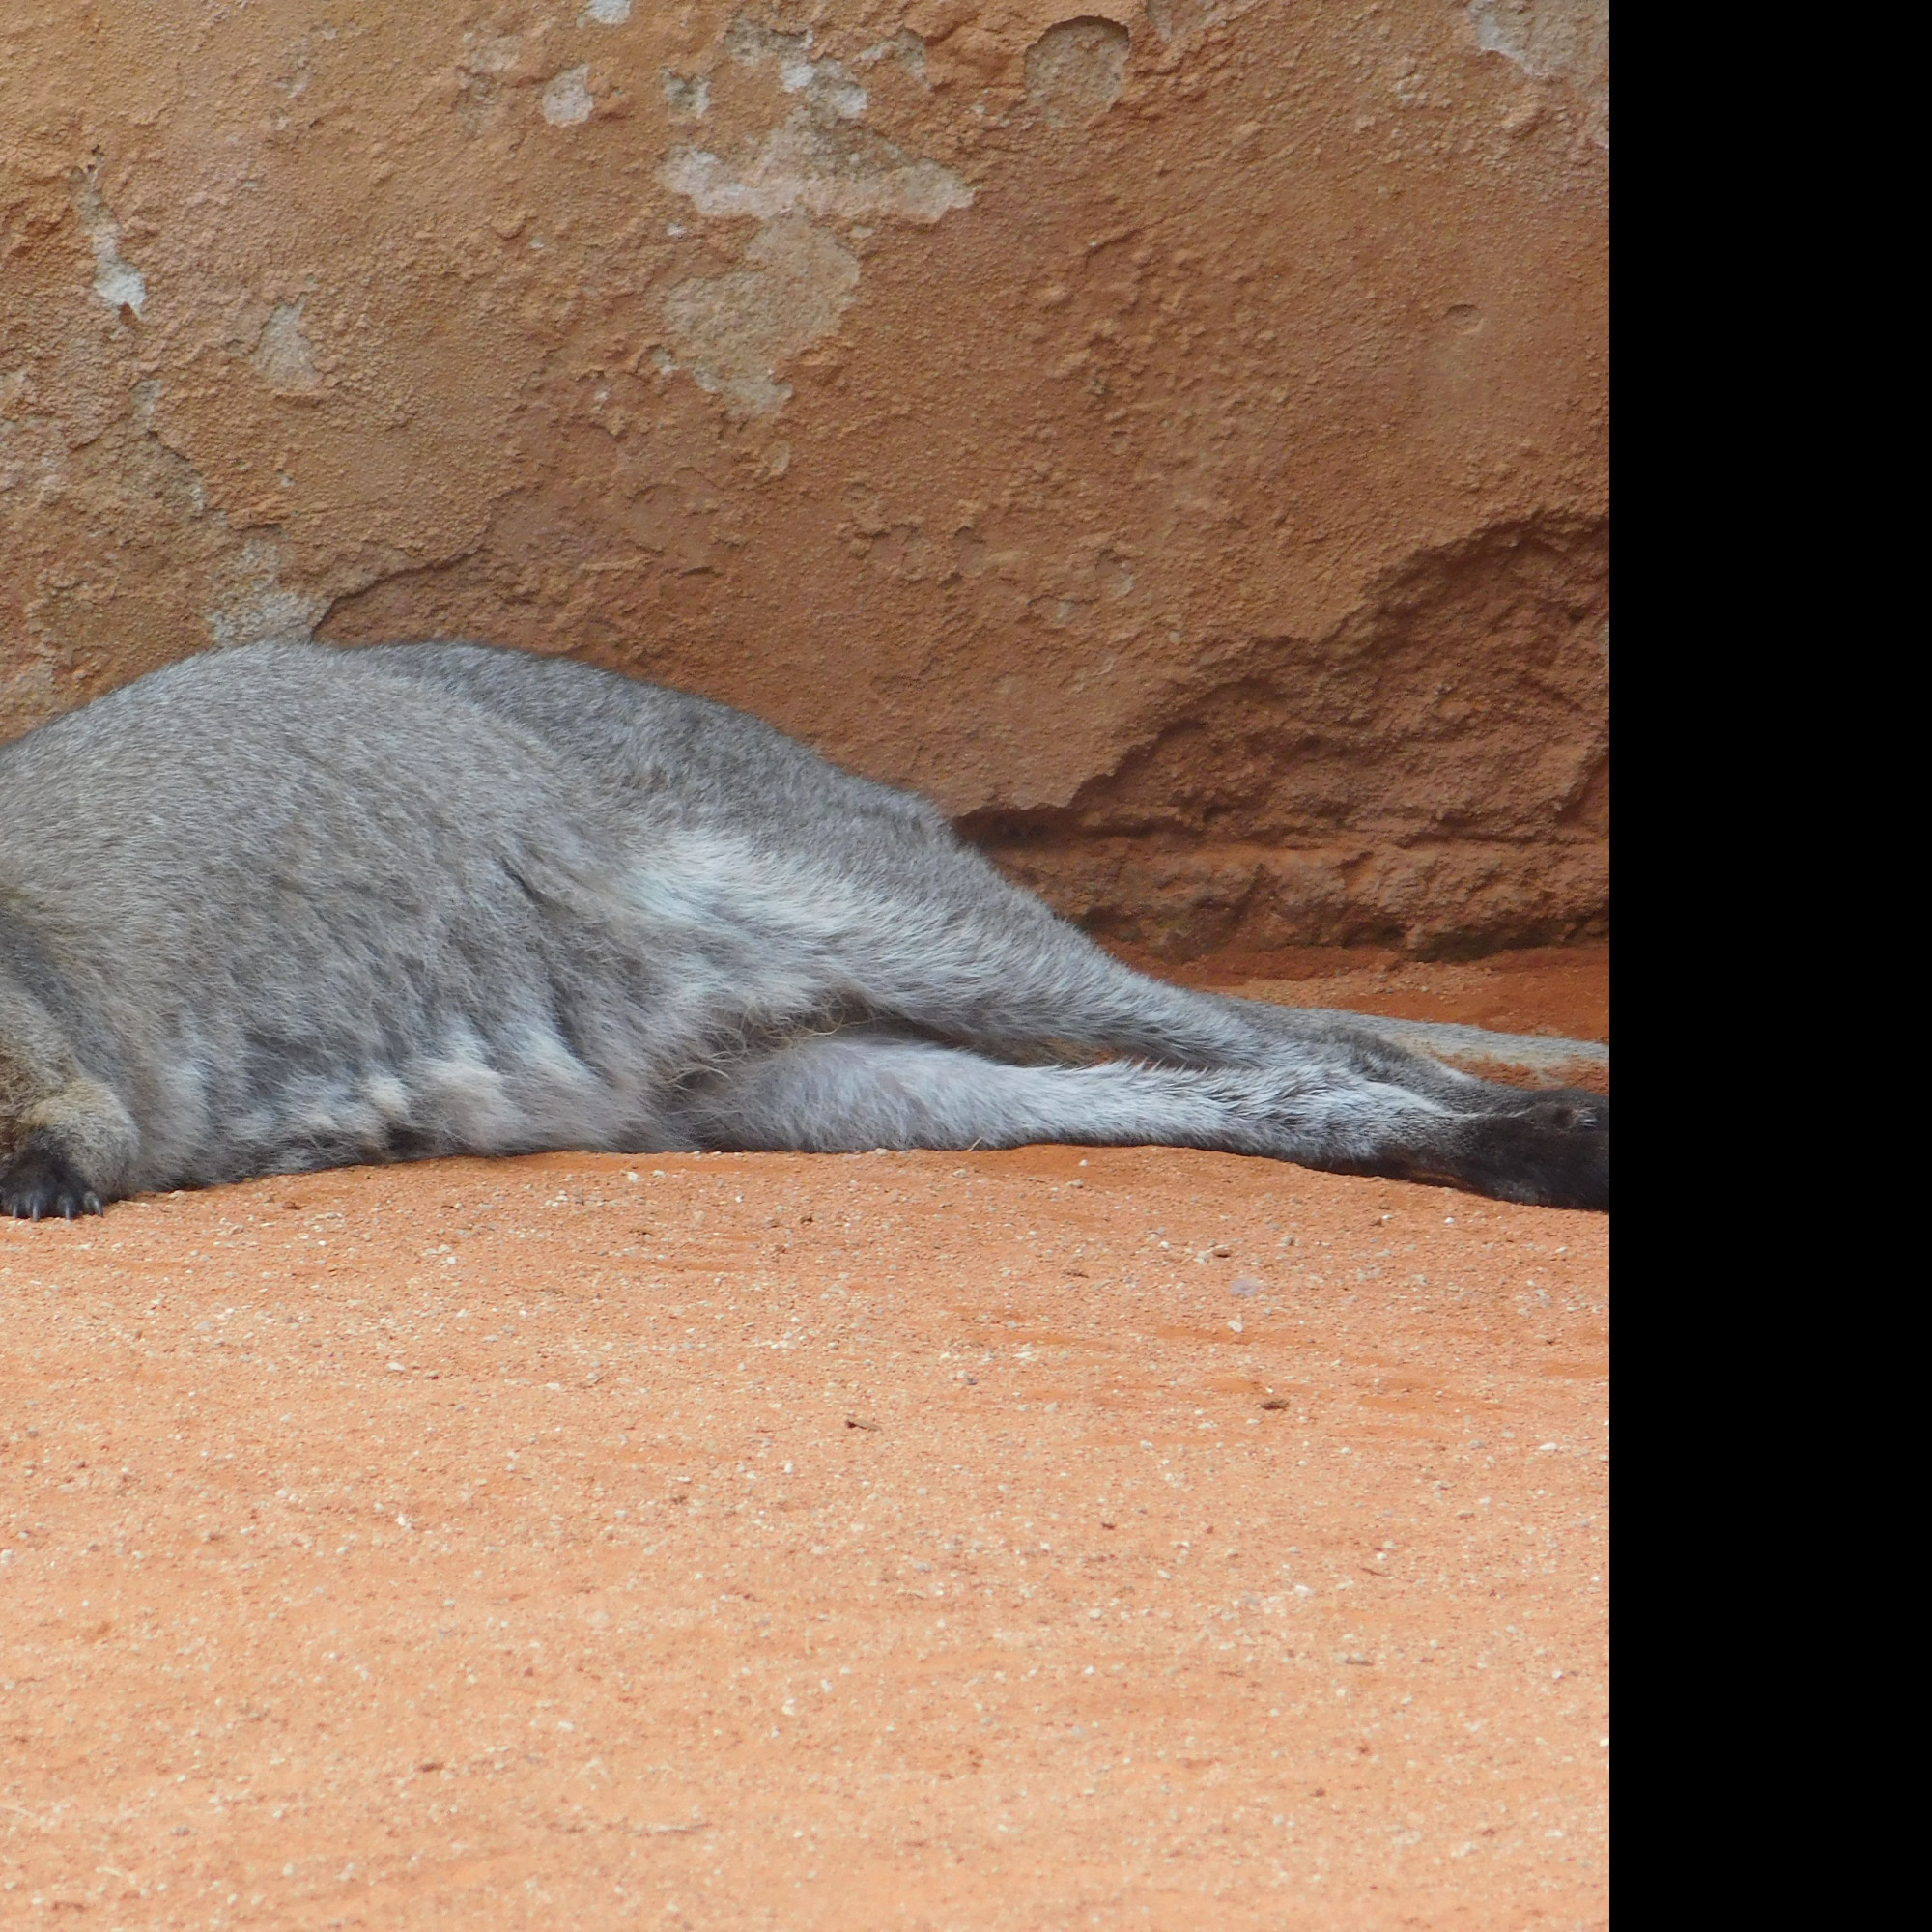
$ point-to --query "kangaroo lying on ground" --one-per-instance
(291, 907)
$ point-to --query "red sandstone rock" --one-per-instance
(1173, 437)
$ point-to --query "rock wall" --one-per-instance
(1171, 434)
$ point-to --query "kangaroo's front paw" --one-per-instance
(1553, 1152)
(42, 1181)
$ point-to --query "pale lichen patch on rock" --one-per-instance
(905, 47)
(283, 357)
(116, 281)
(803, 167)
(686, 94)
(256, 606)
(566, 100)
(828, 82)
(734, 331)
(1564, 40)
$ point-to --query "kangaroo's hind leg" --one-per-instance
(943, 945)
(864, 1087)
(951, 950)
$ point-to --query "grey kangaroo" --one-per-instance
(289, 907)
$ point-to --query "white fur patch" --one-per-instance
(387, 1095)
(465, 1092)
(540, 1050)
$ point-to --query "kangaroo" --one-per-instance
(289, 907)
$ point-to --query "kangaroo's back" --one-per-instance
(685, 755)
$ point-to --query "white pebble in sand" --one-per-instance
(1245, 1285)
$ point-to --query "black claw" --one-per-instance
(42, 1181)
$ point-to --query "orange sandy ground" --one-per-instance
(746, 1540)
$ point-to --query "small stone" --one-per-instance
(1245, 1285)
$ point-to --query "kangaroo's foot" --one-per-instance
(1550, 1149)
(42, 1181)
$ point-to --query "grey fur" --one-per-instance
(290, 907)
